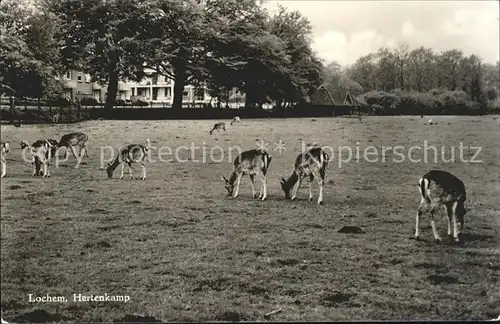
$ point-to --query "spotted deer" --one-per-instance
(311, 163)
(439, 188)
(73, 140)
(5, 148)
(218, 126)
(235, 120)
(253, 163)
(133, 153)
(41, 153)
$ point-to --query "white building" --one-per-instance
(160, 89)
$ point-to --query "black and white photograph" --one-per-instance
(249, 161)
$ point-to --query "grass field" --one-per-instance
(183, 251)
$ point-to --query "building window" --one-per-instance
(185, 93)
(88, 78)
(79, 77)
(200, 94)
(168, 92)
(68, 75)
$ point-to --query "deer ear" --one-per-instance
(282, 180)
(223, 178)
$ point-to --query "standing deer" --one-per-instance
(218, 126)
(235, 120)
(254, 163)
(41, 153)
(133, 153)
(73, 140)
(311, 163)
(442, 188)
(5, 148)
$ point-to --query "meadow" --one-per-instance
(184, 251)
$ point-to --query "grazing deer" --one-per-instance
(5, 148)
(133, 153)
(219, 126)
(41, 153)
(235, 120)
(311, 163)
(254, 163)
(70, 141)
(442, 188)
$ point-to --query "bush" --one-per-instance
(139, 102)
(89, 101)
(434, 102)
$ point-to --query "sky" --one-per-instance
(343, 31)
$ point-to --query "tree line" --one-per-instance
(418, 81)
(222, 44)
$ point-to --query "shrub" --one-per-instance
(89, 101)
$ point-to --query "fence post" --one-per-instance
(78, 106)
(25, 111)
(70, 117)
(39, 110)
(11, 104)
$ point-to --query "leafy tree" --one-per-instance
(174, 41)
(99, 37)
(28, 53)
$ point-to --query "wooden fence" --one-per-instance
(37, 112)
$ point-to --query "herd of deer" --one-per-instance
(437, 188)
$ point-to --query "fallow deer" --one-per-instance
(218, 126)
(235, 120)
(73, 140)
(133, 153)
(442, 188)
(5, 148)
(254, 163)
(311, 163)
(41, 153)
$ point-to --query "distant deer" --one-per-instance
(73, 140)
(55, 118)
(254, 163)
(41, 154)
(236, 120)
(218, 126)
(133, 153)
(311, 163)
(442, 188)
(5, 148)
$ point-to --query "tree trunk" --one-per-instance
(179, 82)
(112, 91)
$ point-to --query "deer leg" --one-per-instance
(449, 211)
(320, 176)
(296, 188)
(143, 177)
(238, 181)
(84, 149)
(419, 214)
(3, 169)
(454, 218)
(123, 168)
(130, 170)
(264, 186)
(252, 180)
(311, 178)
(433, 224)
(73, 151)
